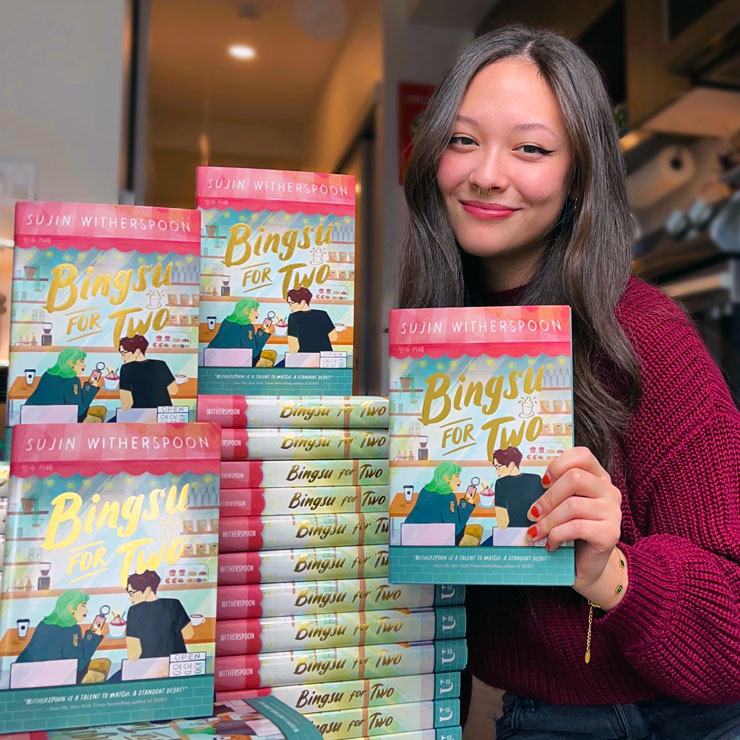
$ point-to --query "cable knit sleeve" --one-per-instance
(679, 622)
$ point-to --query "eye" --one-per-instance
(534, 149)
(461, 140)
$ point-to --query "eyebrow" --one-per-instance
(534, 126)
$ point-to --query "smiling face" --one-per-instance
(506, 172)
(254, 315)
(79, 366)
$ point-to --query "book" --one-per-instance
(308, 631)
(277, 282)
(481, 402)
(235, 672)
(307, 473)
(315, 597)
(104, 314)
(99, 594)
(304, 444)
(310, 564)
(300, 500)
(328, 697)
(247, 533)
(340, 725)
(307, 412)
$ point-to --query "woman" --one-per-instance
(516, 195)
(60, 384)
(59, 637)
(437, 503)
(238, 329)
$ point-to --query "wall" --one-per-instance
(411, 53)
(349, 94)
(61, 83)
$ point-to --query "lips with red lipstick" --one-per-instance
(487, 211)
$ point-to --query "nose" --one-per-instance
(490, 173)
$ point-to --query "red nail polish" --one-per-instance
(536, 511)
(545, 480)
(532, 532)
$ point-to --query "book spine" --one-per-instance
(304, 444)
(314, 597)
(248, 533)
(308, 412)
(311, 564)
(313, 631)
(306, 473)
(327, 697)
(384, 720)
(236, 672)
(299, 500)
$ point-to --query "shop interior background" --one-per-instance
(119, 101)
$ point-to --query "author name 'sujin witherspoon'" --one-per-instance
(480, 326)
(126, 223)
(48, 443)
(276, 186)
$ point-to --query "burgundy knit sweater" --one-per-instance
(677, 630)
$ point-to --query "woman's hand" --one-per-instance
(581, 504)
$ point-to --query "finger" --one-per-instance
(600, 535)
(574, 482)
(574, 507)
(577, 457)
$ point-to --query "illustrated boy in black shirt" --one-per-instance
(515, 492)
(144, 384)
(155, 627)
(309, 329)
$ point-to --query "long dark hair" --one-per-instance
(587, 260)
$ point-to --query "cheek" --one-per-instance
(544, 186)
(450, 172)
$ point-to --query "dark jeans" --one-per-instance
(664, 719)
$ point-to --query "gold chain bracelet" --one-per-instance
(593, 605)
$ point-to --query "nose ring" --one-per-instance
(488, 192)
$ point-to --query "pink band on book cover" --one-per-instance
(94, 226)
(87, 449)
(275, 190)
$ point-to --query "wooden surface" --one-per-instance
(20, 390)
(402, 508)
(11, 645)
(345, 337)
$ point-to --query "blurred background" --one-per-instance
(119, 101)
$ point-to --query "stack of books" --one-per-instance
(305, 612)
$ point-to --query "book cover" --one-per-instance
(236, 672)
(309, 564)
(299, 500)
(308, 412)
(306, 473)
(309, 631)
(247, 533)
(109, 595)
(343, 724)
(315, 597)
(304, 444)
(104, 314)
(328, 697)
(277, 281)
(481, 402)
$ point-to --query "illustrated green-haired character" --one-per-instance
(61, 384)
(59, 636)
(239, 331)
(437, 502)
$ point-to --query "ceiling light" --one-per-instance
(242, 51)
